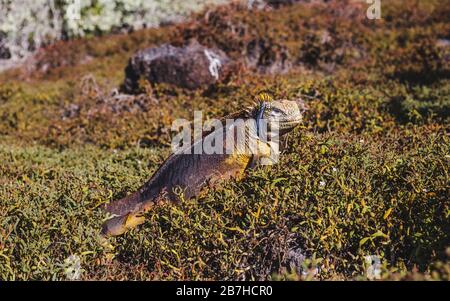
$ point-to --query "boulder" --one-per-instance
(193, 66)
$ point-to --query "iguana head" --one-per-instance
(287, 113)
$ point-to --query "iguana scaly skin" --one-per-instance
(192, 172)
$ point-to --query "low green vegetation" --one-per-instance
(366, 174)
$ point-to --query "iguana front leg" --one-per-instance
(263, 151)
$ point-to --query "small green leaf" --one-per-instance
(363, 241)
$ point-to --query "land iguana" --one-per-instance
(192, 172)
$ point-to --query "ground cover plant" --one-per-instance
(366, 174)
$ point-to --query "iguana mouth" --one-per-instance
(286, 126)
(290, 122)
(293, 122)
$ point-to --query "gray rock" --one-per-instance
(193, 66)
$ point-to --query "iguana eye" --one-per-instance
(276, 111)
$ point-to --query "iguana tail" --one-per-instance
(128, 204)
(128, 211)
(120, 224)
